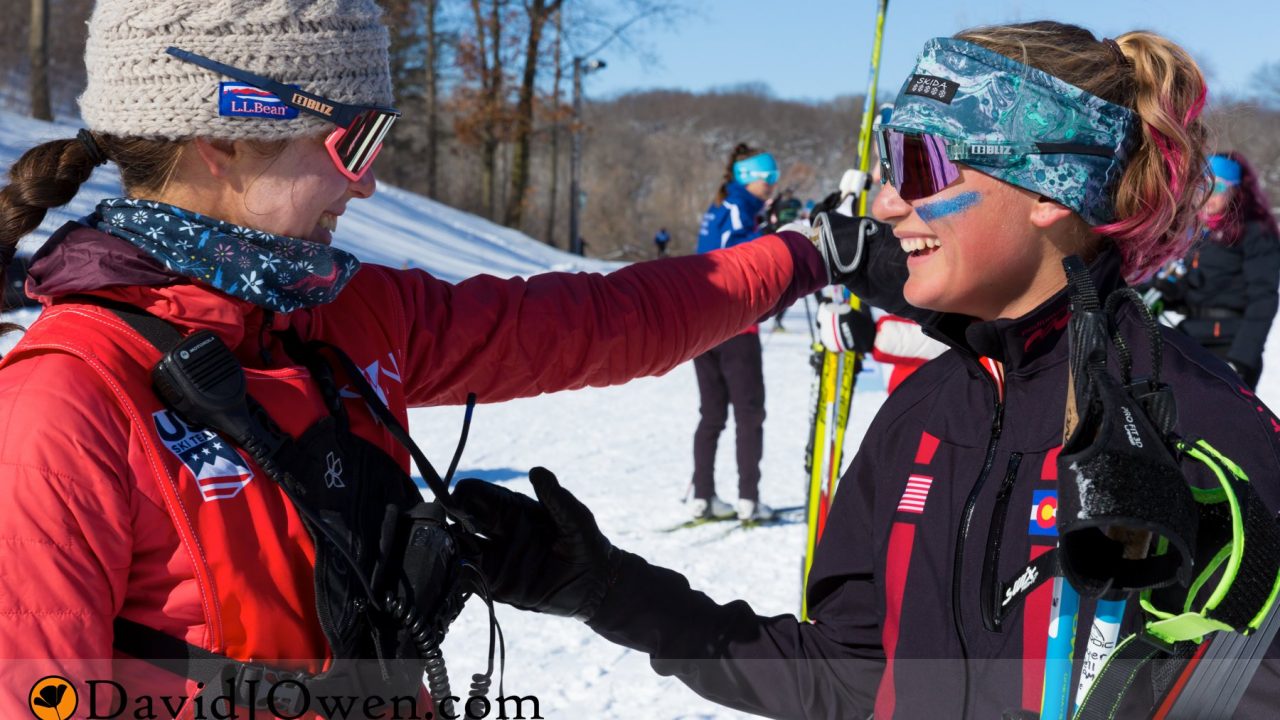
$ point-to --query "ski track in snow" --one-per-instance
(625, 451)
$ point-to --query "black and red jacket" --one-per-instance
(1228, 293)
(933, 523)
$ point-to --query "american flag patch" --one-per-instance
(917, 492)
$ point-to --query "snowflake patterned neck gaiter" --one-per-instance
(271, 271)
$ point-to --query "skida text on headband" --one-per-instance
(965, 103)
(361, 129)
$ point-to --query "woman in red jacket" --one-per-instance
(242, 131)
(1014, 151)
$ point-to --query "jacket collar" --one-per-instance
(1029, 342)
(80, 260)
(739, 195)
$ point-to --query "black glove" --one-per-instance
(545, 555)
(863, 255)
(829, 203)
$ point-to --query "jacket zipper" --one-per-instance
(992, 607)
(966, 519)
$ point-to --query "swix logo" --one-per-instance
(333, 471)
(217, 467)
(1021, 585)
(374, 374)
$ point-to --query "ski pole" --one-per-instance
(1102, 642)
(1056, 702)
(827, 385)
(869, 106)
(808, 318)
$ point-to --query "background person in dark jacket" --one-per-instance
(660, 240)
(1228, 287)
(732, 373)
(919, 595)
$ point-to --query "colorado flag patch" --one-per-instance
(1044, 513)
(219, 470)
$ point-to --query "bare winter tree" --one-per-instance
(537, 13)
(556, 110)
(61, 61)
(491, 110)
(1250, 127)
(1266, 83)
(431, 93)
(38, 53)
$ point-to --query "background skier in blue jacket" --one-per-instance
(660, 240)
(732, 373)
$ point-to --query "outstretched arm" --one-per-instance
(517, 337)
(549, 556)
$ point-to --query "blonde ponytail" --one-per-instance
(1164, 184)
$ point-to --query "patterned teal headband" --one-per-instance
(963, 91)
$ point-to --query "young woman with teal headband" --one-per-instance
(732, 373)
(1011, 148)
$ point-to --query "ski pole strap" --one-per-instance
(439, 485)
(252, 685)
(1122, 671)
(1238, 558)
(1233, 594)
(1119, 483)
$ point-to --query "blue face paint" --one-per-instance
(940, 209)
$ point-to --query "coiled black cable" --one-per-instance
(426, 639)
(438, 679)
(480, 684)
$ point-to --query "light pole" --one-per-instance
(581, 66)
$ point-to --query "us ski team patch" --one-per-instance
(217, 467)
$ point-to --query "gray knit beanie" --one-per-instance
(333, 48)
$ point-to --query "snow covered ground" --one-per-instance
(625, 451)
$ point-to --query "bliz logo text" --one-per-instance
(989, 150)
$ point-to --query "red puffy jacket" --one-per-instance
(99, 524)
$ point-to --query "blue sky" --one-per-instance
(818, 49)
